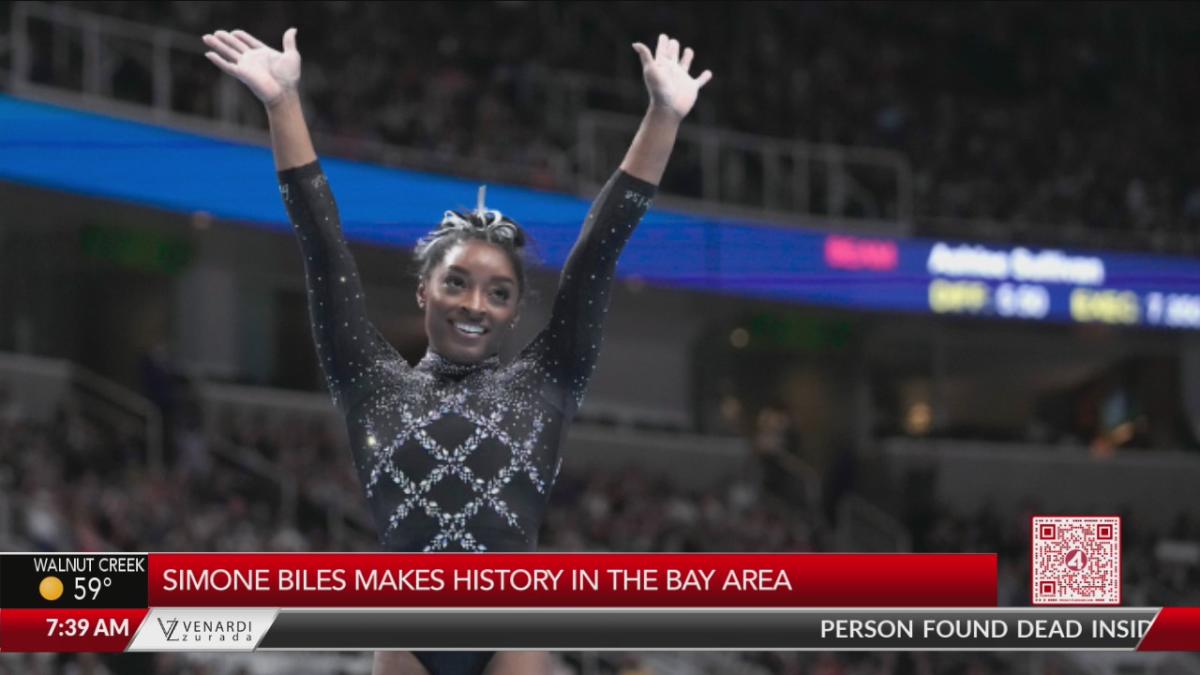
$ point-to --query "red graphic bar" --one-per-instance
(571, 580)
(1176, 629)
(68, 630)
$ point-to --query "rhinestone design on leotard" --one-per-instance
(457, 457)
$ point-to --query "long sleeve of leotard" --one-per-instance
(570, 344)
(352, 352)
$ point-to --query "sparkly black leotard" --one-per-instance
(457, 457)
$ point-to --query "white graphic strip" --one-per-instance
(227, 629)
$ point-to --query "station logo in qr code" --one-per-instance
(1076, 560)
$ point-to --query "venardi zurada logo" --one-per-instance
(168, 628)
(205, 631)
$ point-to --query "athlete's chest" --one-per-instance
(453, 446)
(455, 418)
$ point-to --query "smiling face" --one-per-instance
(471, 301)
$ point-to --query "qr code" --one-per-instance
(1076, 560)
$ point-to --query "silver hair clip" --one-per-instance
(488, 216)
(451, 220)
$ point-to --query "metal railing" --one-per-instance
(65, 55)
(1089, 236)
(972, 474)
(776, 176)
(277, 408)
(346, 527)
(47, 383)
(123, 409)
(615, 443)
(805, 483)
(860, 526)
(86, 50)
(252, 462)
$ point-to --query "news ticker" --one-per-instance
(66, 602)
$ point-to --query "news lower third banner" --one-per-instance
(76, 602)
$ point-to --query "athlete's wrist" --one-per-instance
(288, 100)
(660, 113)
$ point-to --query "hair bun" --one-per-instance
(504, 229)
(489, 223)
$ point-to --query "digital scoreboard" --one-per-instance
(1052, 284)
(950, 278)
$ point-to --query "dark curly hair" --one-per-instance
(482, 224)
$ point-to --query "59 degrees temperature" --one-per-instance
(88, 588)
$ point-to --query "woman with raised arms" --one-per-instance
(459, 452)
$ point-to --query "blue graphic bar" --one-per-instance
(85, 153)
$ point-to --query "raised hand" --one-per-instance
(666, 73)
(271, 74)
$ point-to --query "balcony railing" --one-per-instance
(65, 55)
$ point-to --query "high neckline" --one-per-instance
(441, 366)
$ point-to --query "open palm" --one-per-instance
(667, 78)
(270, 74)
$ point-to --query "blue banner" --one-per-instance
(85, 153)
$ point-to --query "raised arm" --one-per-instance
(353, 355)
(570, 344)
